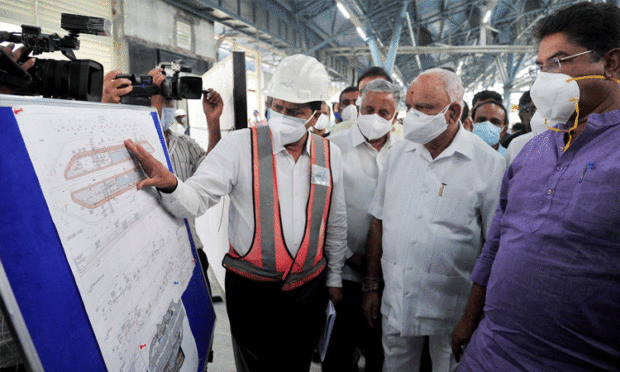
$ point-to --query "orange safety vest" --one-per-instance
(269, 259)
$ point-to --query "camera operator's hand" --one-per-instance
(158, 76)
(158, 175)
(15, 54)
(213, 105)
(111, 91)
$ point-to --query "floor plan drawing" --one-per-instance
(131, 260)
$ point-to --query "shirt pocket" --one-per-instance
(594, 208)
(440, 294)
(454, 209)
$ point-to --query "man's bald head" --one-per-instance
(433, 90)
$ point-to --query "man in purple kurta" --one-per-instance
(549, 273)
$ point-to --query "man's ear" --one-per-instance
(454, 112)
(611, 63)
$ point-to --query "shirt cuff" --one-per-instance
(480, 274)
(333, 279)
(348, 253)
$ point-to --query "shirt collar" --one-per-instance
(597, 121)
(461, 143)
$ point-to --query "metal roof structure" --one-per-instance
(485, 41)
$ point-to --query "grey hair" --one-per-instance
(381, 85)
(452, 84)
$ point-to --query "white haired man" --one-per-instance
(287, 220)
(364, 150)
(434, 203)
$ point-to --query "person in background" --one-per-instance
(466, 118)
(490, 121)
(485, 96)
(321, 125)
(369, 75)
(443, 181)
(347, 109)
(526, 111)
(180, 125)
(364, 150)
(550, 294)
(287, 220)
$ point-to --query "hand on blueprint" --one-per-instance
(111, 91)
(158, 175)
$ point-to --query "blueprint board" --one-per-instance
(66, 178)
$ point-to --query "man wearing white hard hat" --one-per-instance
(179, 126)
(287, 219)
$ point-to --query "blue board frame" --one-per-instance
(40, 276)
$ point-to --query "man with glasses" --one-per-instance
(551, 292)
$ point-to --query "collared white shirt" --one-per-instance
(435, 214)
(362, 164)
(227, 170)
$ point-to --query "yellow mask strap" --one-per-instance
(577, 107)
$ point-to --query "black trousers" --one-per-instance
(274, 330)
(351, 331)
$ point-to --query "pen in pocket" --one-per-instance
(588, 166)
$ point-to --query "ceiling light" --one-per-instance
(487, 16)
(343, 10)
(361, 32)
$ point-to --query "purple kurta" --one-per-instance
(553, 288)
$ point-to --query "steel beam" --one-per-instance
(454, 49)
(391, 57)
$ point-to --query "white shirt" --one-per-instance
(362, 164)
(431, 242)
(227, 170)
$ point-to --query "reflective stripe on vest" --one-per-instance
(268, 258)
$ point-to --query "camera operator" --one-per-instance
(185, 153)
(14, 55)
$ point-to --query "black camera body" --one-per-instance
(73, 79)
(175, 87)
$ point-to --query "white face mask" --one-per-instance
(421, 128)
(488, 132)
(321, 122)
(374, 126)
(288, 128)
(349, 113)
(538, 123)
(167, 117)
(555, 96)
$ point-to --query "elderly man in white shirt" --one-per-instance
(433, 206)
(287, 220)
(364, 150)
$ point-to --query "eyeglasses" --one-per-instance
(554, 66)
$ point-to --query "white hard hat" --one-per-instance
(299, 79)
(180, 112)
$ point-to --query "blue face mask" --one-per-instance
(488, 131)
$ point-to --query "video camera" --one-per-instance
(73, 79)
(174, 87)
